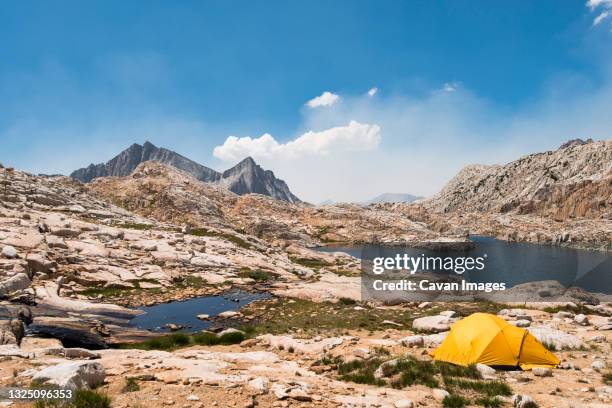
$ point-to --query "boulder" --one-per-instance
(581, 320)
(542, 372)
(412, 341)
(432, 324)
(32, 343)
(523, 401)
(228, 314)
(9, 252)
(403, 403)
(259, 384)
(560, 340)
(598, 365)
(380, 371)
(522, 323)
(229, 330)
(485, 371)
(65, 232)
(11, 331)
(73, 375)
(39, 263)
(16, 282)
(73, 353)
(439, 394)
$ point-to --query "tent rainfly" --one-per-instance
(487, 339)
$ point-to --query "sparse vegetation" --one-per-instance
(361, 371)
(312, 317)
(256, 275)
(179, 340)
(607, 378)
(83, 398)
(488, 388)
(191, 281)
(455, 401)
(310, 263)
(236, 240)
(490, 402)
(109, 292)
(463, 383)
(134, 225)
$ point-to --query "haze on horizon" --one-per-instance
(391, 97)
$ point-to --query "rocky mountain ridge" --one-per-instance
(392, 198)
(572, 181)
(244, 178)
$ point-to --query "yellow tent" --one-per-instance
(487, 339)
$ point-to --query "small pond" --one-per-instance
(185, 312)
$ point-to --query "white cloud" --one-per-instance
(601, 17)
(353, 137)
(606, 5)
(325, 99)
(373, 91)
(593, 4)
(450, 86)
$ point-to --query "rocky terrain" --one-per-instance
(76, 259)
(572, 181)
(561, 197)
(170, 195)
(244, 178)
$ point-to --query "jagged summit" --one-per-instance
(244, 178)
(126, 161)
(248, 177)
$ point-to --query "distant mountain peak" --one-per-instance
(244, 178)
(393, 198)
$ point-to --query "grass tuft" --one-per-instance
(179, 340)
(83, 398)
(455, 401)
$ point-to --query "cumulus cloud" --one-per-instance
(353, 137)
(373, 91)
(325, 99)
(605, 6)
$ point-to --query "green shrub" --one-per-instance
(412, 372)
(90, 399)
(488, 388)
(83, 398)
(455, 401)
(361, 371)
(169, 342)
(490, 402)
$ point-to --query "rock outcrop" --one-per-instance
(573, 181)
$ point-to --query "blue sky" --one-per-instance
(456, 82)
